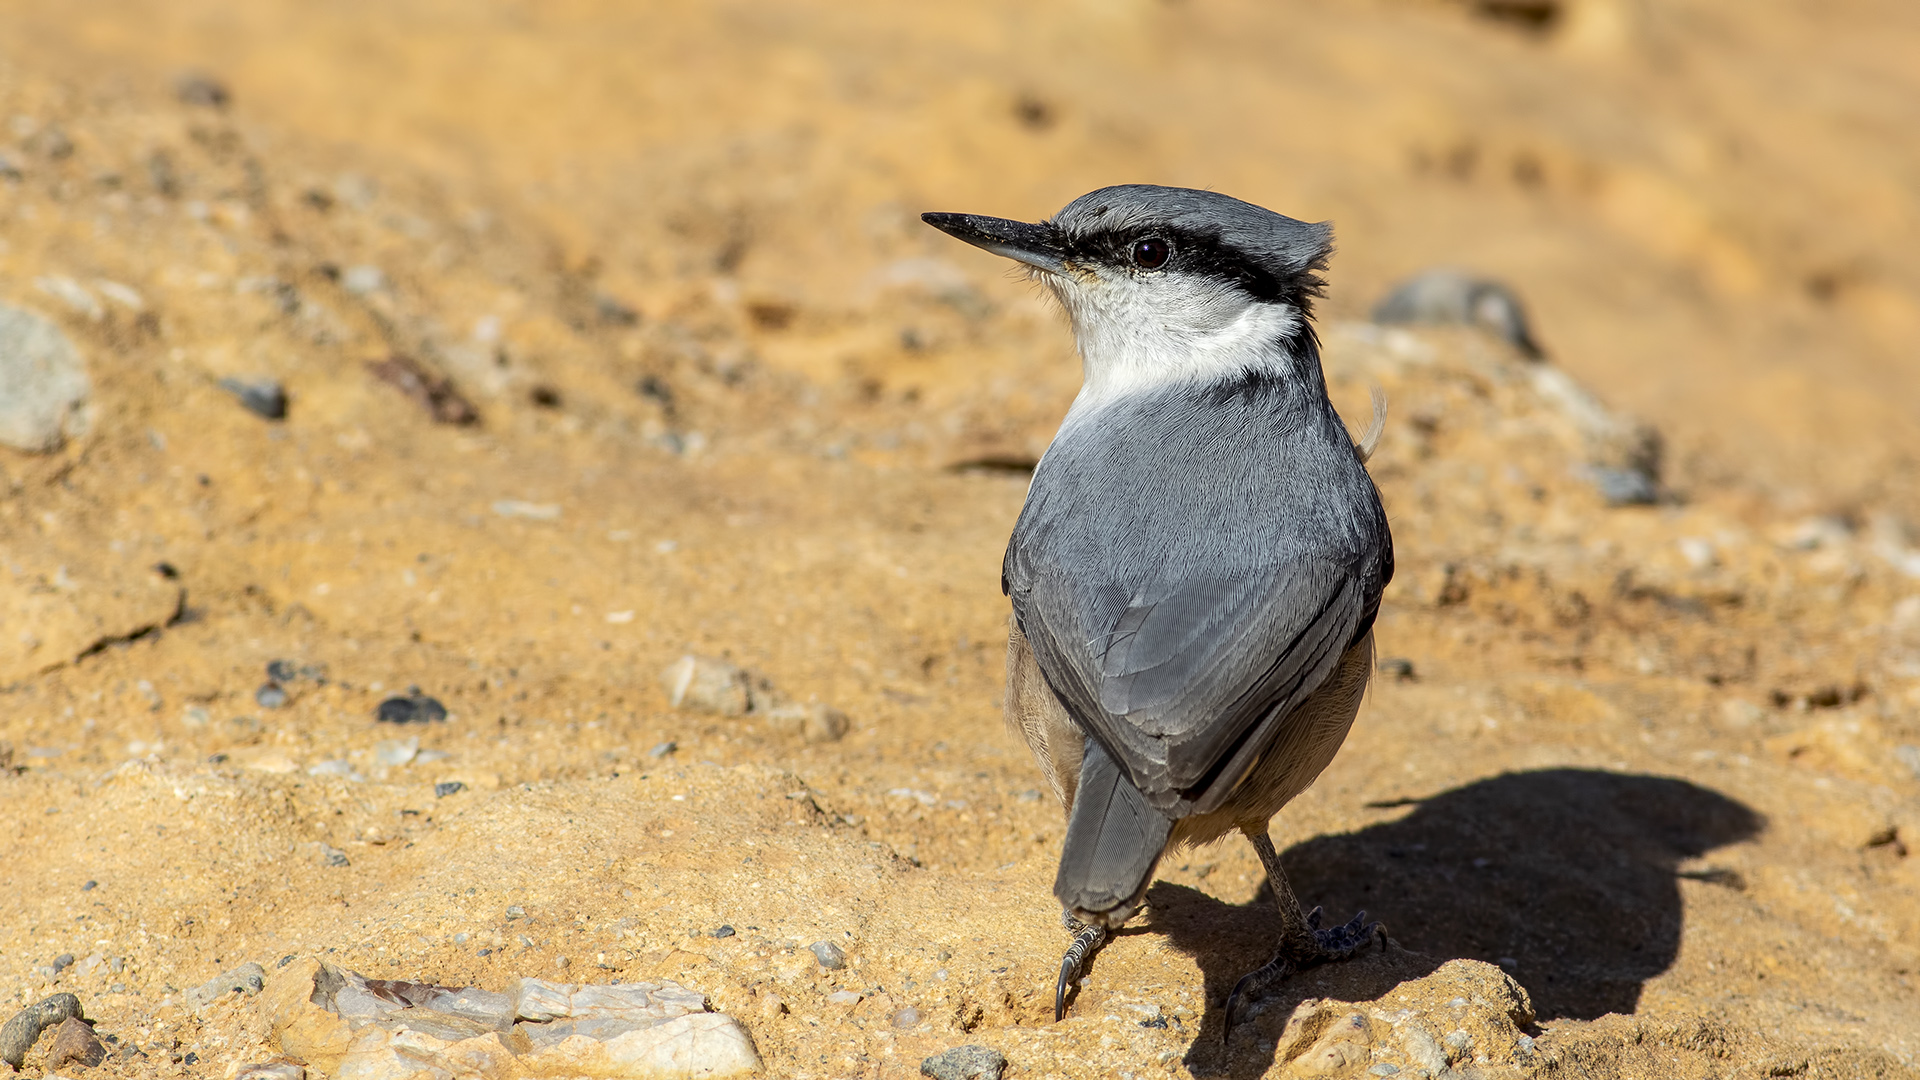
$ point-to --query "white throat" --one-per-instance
(1132, 342)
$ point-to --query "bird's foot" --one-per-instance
(1087, 940)
(1311, 948)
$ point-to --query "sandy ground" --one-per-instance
(1657, 763)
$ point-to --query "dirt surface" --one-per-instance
(610, 335)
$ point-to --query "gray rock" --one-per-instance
(814, 723)
(248, 978)
(831, 956)
(43, 384)
(708, 684)
(196, 88)
(344, 1024)
(1445, 296)
(19, 1034)
(965, 1063)
(264, 398)
(448, 787)
(1624, 487)
(541, 1001)
(270, 696)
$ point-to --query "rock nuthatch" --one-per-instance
(1200, 559)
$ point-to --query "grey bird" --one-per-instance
(1197, 569)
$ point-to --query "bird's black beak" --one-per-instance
(1036, 245)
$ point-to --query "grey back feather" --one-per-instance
(1190, 567)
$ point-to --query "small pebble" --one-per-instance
(333, 856)
(906, 1017)
(264, 398)
(282, 671)
(462, 938)
(844, 997)
(448, 787)
(396, 751)
(63, 961)
(663, 749)
(89, 886)
(831, 956)
(248, 979)
(204, 90)
(965, 1063)
(1383, 1069)
(721, 932)
(516, 912)
(1399, 668)
(1625, 487)
(415, 708)
(270, 696)
(361, 280)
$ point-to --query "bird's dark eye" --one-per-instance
(1151, 253)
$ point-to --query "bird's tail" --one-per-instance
(1114, 840)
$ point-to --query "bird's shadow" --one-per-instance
(1565, 877)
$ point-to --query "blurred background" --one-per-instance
(1711, 207)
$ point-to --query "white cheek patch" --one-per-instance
(1146, 334)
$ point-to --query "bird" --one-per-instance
(1197, 568)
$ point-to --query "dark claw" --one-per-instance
(1250, 986)
(1319, 947)
(1085, 942)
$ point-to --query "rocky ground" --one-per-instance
(360, 379)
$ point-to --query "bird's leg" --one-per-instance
(1303, 944)
(1087, 940)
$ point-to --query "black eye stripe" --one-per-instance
(1193, 251)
